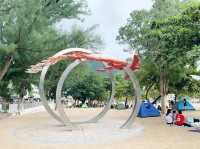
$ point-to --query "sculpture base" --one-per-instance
(102, 132)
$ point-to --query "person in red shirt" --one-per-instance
(180, 119)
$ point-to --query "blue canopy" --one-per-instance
(148, 110)
(187, 106)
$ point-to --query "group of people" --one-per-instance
(176, 117)
(172, 117)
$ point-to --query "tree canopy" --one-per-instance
(167, 38)
(28, 35)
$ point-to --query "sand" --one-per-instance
(40, 131)
(4, 115)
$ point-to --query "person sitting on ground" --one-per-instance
(174, 109)
(180, 119)
(173, 105)
(169, 117)
(192, 122)
(174, 116)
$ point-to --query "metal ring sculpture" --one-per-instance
(81, 55)
(59, 90)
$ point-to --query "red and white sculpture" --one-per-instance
(79, 55)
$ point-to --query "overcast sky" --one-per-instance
(109, 15)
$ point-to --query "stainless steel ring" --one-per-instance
(63, 117)
(61, 110)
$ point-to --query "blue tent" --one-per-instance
(148, 110)
(180, 105)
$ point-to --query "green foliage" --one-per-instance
(149, 79)
(84, 38)
(167, 38)
(28, 35)
(132, 33)
(5, 91)
(84, 84)
(164, 8)
(124, 88)
(26, 27)
(78, 37)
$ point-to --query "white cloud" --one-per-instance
(110, 15)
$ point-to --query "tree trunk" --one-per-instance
(20, 105)
(75, 103)
(83, 101)
(126, 103)
(148, 89)
(21, 100)
(56, 106)
(163, 90)
(5, 68)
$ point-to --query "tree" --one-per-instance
(163, 39)
(28, 35)
(124, 88)
(77, 37)
(86, 85)
(26, 27)
(164, 8)
(178, 36)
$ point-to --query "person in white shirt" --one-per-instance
(169, 117)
